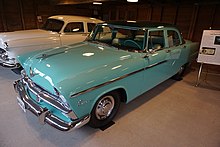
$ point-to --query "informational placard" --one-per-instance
(209, 51)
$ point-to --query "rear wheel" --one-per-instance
(105, 110)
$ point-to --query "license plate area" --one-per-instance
(21, 104)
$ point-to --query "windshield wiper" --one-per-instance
(100, 43)
(103, 44)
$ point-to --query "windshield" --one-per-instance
(122, 38)
(53, 25)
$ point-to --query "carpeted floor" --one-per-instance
(173, 114)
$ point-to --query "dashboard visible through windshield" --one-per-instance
(122, 38)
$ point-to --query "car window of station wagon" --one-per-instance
(53, 25)
(74, 27)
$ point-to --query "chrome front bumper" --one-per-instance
(9, 64)
(44, 115)
(7, 61)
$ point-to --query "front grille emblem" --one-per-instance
(38, 99)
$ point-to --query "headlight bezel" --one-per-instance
(61, 98)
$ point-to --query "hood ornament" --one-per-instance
(42, 56)
(32, 74)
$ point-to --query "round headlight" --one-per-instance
(4, 56)
(2, 50)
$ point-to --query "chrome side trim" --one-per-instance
(116, 79)
(44, 115)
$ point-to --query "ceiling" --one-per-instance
(117, 2)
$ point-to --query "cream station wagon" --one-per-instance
(57, 31)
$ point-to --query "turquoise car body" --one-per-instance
(85, 71)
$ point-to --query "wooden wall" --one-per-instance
(192, 19)
(22, 14)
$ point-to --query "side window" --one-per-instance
(90, 26)
(173, 38)
(74, 27)
(156, 40)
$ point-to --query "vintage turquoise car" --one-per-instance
(70, 86)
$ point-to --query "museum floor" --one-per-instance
(173, 114)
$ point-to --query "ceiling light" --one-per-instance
(131, 21)
(97, 3)
(132, 0)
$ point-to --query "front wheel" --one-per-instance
(105, 110)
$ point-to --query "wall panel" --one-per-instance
(169, 14)
(216, 18)
(156, 13)
(184, 18)
(144, 12)
(203, 21)
(29, 14)
(2, 27)
(12, 15)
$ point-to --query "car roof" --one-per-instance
(69, 18)
(140, 24)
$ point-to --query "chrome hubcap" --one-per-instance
(104, 107)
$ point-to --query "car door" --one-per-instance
(73, 32)
(176, 50)
(157, 68)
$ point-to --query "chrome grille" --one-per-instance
(2, 51)
(44, 95)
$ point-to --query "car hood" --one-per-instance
(11, 37)
(77, 67)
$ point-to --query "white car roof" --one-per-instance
(72, 18)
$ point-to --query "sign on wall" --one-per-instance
(209, 51)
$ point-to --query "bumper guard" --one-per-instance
(44, 115)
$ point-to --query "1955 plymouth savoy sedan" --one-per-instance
(71, 86)
(58, 30)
